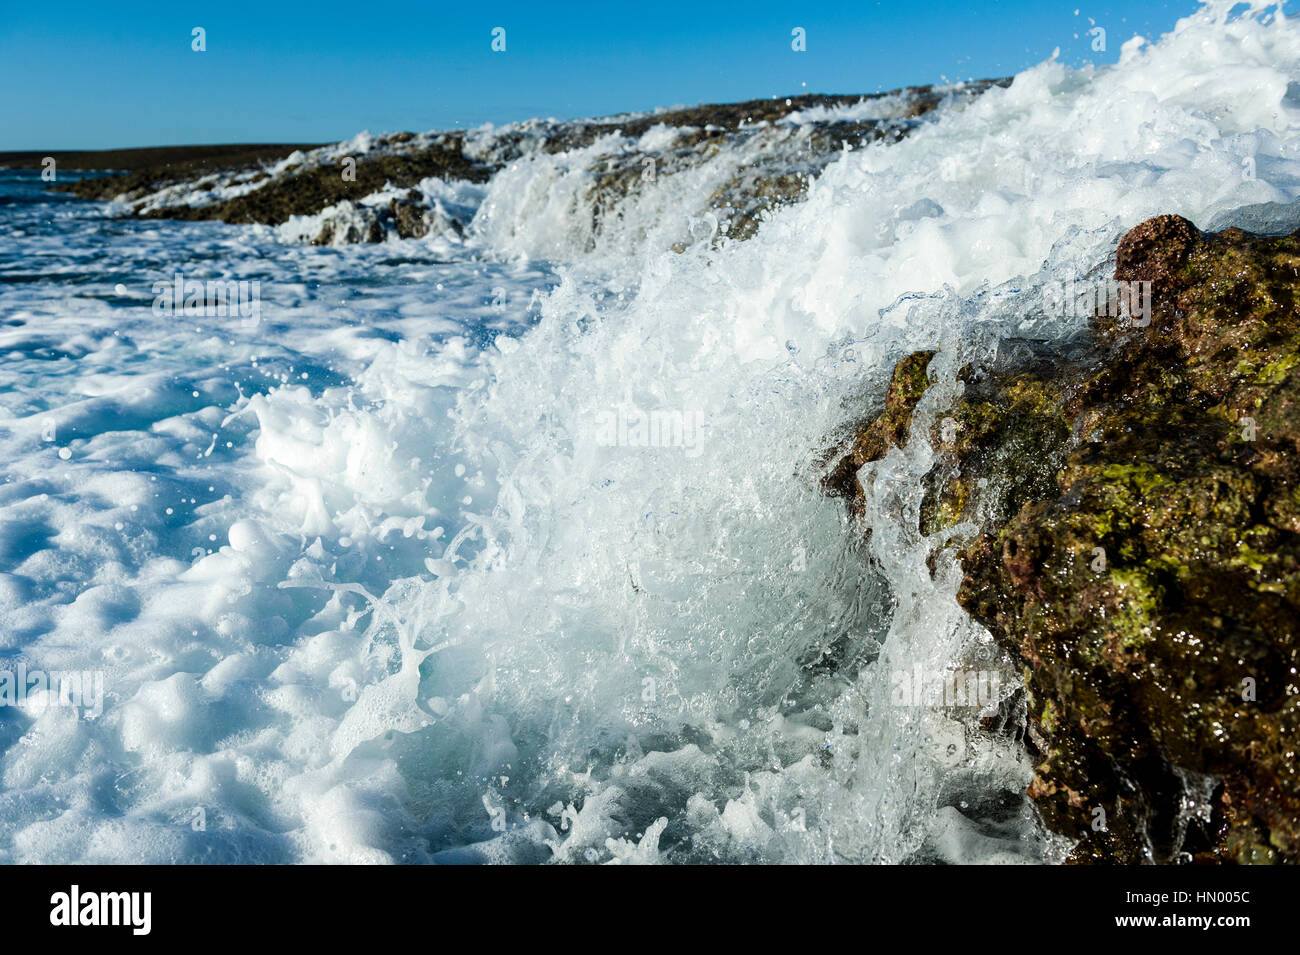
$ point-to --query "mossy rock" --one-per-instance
(888, 429)
(1138, 548)
(1152, 589)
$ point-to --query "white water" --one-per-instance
(413, 607)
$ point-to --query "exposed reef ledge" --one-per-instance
(1138, 551)
(759, 157)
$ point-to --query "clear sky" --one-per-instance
(118, 73)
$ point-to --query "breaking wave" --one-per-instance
(507, 544)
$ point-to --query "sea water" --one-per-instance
(510, 546)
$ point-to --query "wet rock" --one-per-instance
(1151, 587)
(402, 218)
(410, 220)
(1138, 549)
(780, 159)
(888, 429)
(313, 188)
(349, 225)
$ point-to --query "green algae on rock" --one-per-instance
(1153, 594)
(1138, 551)
(888, 429)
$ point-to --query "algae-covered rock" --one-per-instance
(1006, 422)
(888, 429)
(1138, 548)
(1152, 588)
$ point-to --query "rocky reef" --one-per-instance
(1137, 549)
(762, 158)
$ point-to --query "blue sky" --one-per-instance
(113, 74)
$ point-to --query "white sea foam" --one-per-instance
(366, 585)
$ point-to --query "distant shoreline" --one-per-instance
(198, 158)
(179, 158)
(375, 192)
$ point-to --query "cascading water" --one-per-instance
(527, 560)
